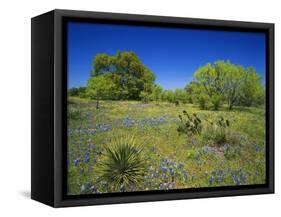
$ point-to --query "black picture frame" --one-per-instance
(49, 92)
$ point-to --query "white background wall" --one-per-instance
(15, 106)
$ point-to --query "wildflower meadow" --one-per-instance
(157, 109)
(171, 160)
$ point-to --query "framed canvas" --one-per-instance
(133, 108)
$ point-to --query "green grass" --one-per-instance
(172, 160)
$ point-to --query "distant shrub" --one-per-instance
(123, 165)
(189, 124)
(177, 103)
(74, 91)
(216, 132)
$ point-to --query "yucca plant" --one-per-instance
(122, 164)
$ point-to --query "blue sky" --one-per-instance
(172, 54)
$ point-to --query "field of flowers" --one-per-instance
(173, 160)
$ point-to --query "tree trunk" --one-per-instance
(97, 105)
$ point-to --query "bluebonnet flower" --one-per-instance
(211, 181)
(257, 148)
(161, 186)
(239, 177)
(219, 179)
(226, 146)
(180, 165)
(236, 180)
(92, 146)
(93, 132)
(243, 177)
(164, 169)
(151, 122)
(103, 127)
(172, 163)
(84, 131)
(170, 186)
(185, 173)
(171, 170)
(92, 189)
(76, 162)
(86, 158)
(128, 122)
(207, 149)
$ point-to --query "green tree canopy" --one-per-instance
(74, 91)
(102, 87)
(129, 74)
(223, 81)
(168, 95)
(80, 91)
(181, 95)
(156, 92)
(252, 92)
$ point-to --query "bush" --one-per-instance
(216, 133)
(74, 91)
(122, 165)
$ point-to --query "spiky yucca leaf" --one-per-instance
(123, 164)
